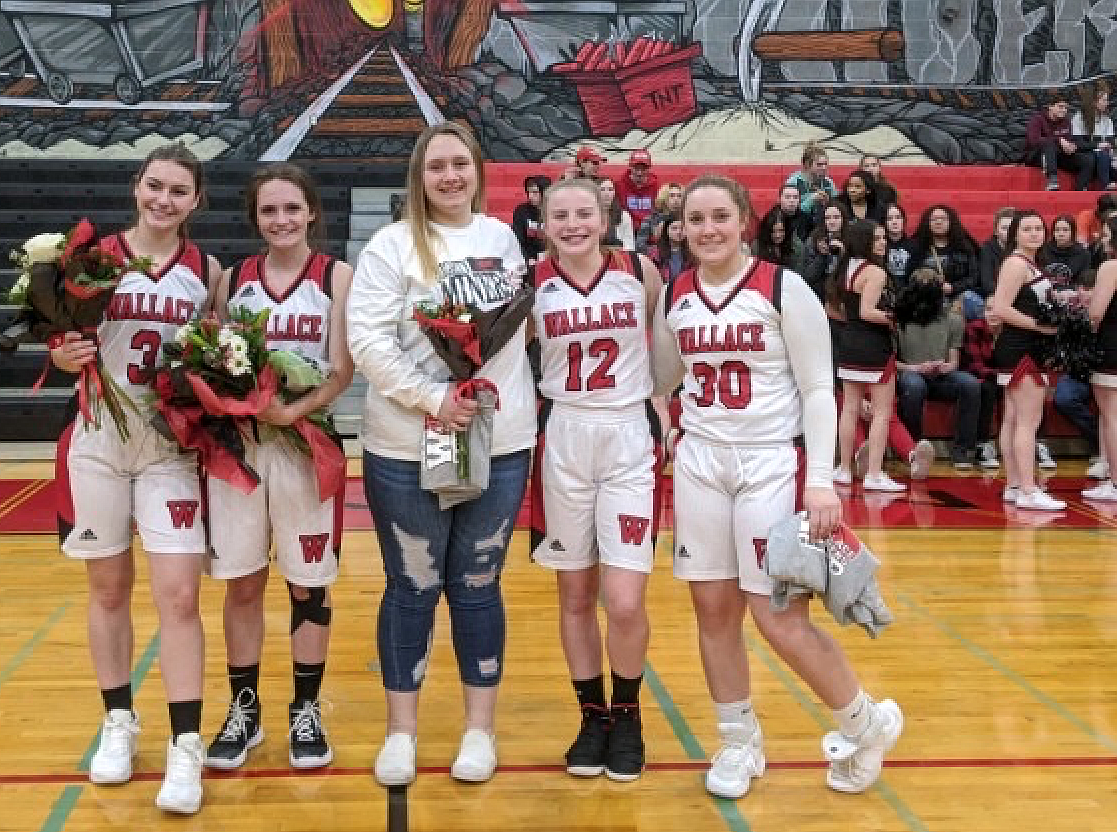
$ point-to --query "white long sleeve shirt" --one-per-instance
(407, 380)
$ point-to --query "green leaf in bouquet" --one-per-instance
(295, 370)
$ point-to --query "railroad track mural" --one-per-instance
(359, 78)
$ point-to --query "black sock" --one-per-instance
(244, 677)
(626, 696)
(186, 717)
(117, 699)
(308, 681)
(591, 696)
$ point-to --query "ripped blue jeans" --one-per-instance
(428, 552)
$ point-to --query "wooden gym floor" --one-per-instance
(1002, 658)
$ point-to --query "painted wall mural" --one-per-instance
(749, 80)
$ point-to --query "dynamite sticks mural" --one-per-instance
(746, 80)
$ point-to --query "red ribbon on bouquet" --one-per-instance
(462, 333)
(468, 389)
(257, 400)
(88, 375)
(327, 457)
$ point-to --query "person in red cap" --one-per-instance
(636, 190)
(588, 161)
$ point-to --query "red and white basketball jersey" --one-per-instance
(739, 387)
(300, 318)
(594, 342)
(147, 310)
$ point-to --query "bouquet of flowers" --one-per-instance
(65, 285)
(465, 335)
(216, 379)
(1074, 348)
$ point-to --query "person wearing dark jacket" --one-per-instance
(798, 222)
(1063, 258)
(527, 223)
(942, 244)
(859, 199)
(1049, 144)
(993, 253)
(886, 192)
(898, 253)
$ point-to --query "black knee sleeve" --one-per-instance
(312, 608)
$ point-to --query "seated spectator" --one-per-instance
(991, 256)
(672, 254)
(668, 201)
(899, 244)
(919, 454)
(824, 248)
(774, 244)
(637, 188)
(927, 361)
(1089, 222)
(1063, 258)
(977, 360)
(1092, 133)
(942, 244)
(815, 188)
(620, 233)
(588, 162)
(527, 223)
(859, 199)
(1048, 144)
(885, 191)
(798, 222)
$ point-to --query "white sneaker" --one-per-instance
(740, 758)
(1098, 469)
(859, 457)
(395, 764)
(842, 476)
(181, 791)
(476, 761)
(883, 482)
(987, 455)
(1011, 494)
(112, 764)
(855, 764)
(1043, 457)
(1039, 501)
(1105, 491)
(921, 457)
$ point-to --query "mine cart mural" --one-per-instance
(943, 80)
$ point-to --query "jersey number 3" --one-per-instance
(605, 349)
(147, 341)
(730, 384)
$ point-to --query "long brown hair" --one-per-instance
(417, 214)
(297, 176)
(181, 155)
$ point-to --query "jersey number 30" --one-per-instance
(605, 349)
(730, 384)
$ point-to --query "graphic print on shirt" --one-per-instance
(481, 282)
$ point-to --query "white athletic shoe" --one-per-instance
(883, 482)
(855, 764)
(987, 455)
(1044, 458)
(1011, 494)
(740, 758)
(1098, 469)
(476, 762)
(112, 764)
(1105, 491)
(921, 457)
(1039, 501)
(842, 476)
(395, 764)
(181, 792)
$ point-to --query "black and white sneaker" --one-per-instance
(242, 730)
(586, 756)
(625, 758)
(309, 746)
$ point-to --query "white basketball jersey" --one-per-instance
(593, 342)
(738, 388)
(300, 318)
(147, 310)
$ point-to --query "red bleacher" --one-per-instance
(976, 191)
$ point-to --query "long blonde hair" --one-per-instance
(417, 211)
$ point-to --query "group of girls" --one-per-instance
(750, 407)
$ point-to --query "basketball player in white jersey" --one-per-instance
(305, 291)
(748, 340)
(599, 466)
(106, 483)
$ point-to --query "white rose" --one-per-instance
(183, 335)
(237, 365)
(44, 248)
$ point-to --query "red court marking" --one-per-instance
(79, 778)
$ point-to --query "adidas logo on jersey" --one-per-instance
(88, 535)
(682, 553)
(246, 291)
(556, 546)
(550, 286)
(684, 304)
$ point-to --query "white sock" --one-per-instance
(737, 713)
(853, 719)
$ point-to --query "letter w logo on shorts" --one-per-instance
(314, 546)
(183, 513)
(633, 529)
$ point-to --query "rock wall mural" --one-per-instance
(748, 80)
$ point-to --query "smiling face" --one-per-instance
(449, 180)
(283, 215)
(713, 224)
(573, 221)
(165, 196)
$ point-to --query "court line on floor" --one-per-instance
(62, 808)
(20, 497)
(902, 810)
(78, 778)
(992, 661)
(29, 646)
